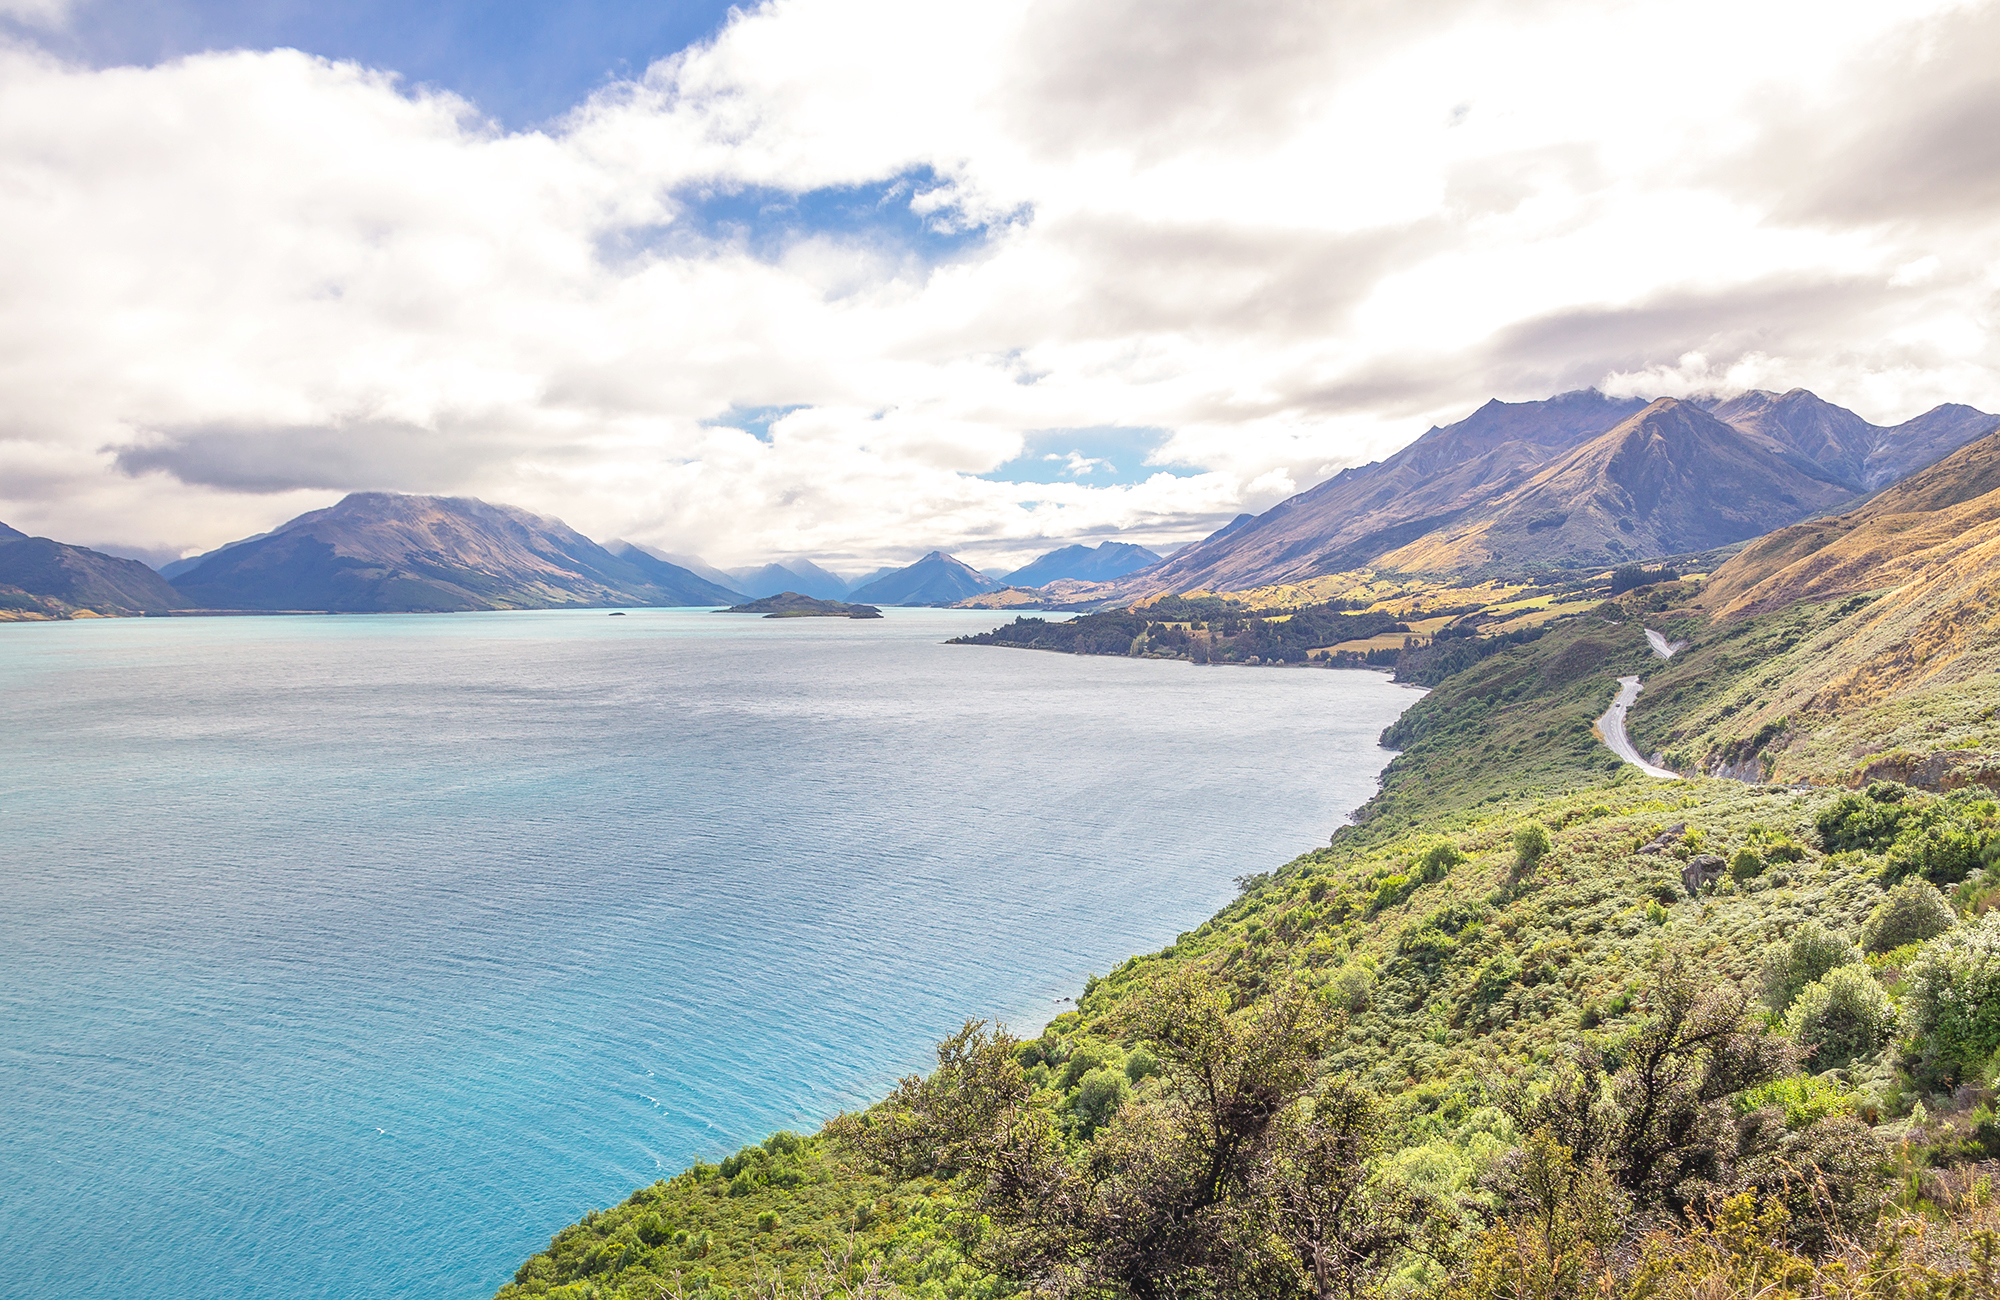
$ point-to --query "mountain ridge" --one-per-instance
(1435, 504)
(936, 579)
(390, 552)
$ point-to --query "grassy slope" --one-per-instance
(1480, 972)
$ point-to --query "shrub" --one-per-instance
(1954, 999)
(1745, 864)
(768, 1221)
(1912, 912)
(1437, 859)
(1942, 854)
(1841, 1017)
(1082, 1060)
(1531, 844)
(1867, 821)
(1099, 1094)
(1803, 1098)
(1812, 952)
(1784, 849)
(1141, 1064)
(1351, 986)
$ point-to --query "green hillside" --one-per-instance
(1488, 1042)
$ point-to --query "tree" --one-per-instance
(1344, 1232)
(1841, 1017)
(1532, 843)
(1954, 1000)
(1229, 1176)
(1811, 952)
(1910, 913)
(1660, 1125)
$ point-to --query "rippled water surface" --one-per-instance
(352, 957)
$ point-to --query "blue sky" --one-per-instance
(522, 63)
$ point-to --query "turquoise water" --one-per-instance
(352, 957)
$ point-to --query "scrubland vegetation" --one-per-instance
(1486, 1043)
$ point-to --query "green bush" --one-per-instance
(1082, 1060)
(1099, 1094)
(1867, 821)
(1803, 1098)
(769, 1221)
(1942, 853)
(1810, 954)
(1437, 860)
(1140, 1065)
(1841, 1017)
(1532, 843)
(1745, 864)
(1784, 849)
(1953, 1004)
(1912, 912)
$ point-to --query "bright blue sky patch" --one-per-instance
(521, 61)
(1099, 457)
(754, 420)
(769, 220)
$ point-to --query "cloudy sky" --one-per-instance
(852, 279)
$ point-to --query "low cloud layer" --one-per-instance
(912, 239)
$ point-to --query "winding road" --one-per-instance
(1611, 727)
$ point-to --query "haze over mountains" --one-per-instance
(937, 579)
(1578, 480)
(1102, 563)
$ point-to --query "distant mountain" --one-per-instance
(1831, 437)
(1496, 487)
(1904, 448)
(45, 577)
(1863, 456)
(801, 576)
(1669, 480)
(692, 563)
(683, 585)
(383, 551)
(1102, 563)
(937, 579)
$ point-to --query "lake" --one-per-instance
(351, 957)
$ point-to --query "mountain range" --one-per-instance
(1577, 479)
(380, 551)
(1580, 480)
(1101, 563)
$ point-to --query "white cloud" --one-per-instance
(1292, 234)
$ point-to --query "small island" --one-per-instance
(790, 604)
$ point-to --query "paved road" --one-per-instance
(1611, 729)
(1661, 646)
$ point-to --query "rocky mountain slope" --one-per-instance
(1364, 512)
(41, 578)
(937, 579)
(1861, 455)
(1491, 488)
(1671, 479)
(383, 551)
